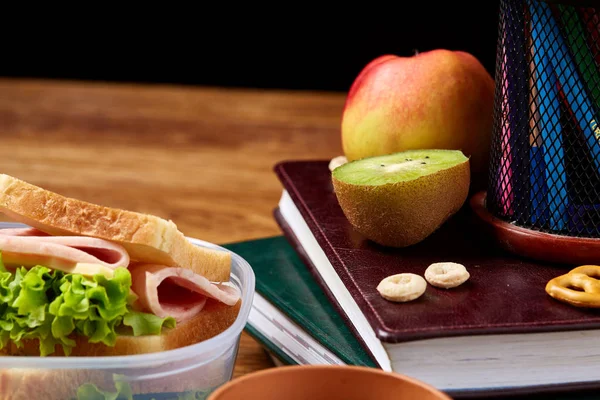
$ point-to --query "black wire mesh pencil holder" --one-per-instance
(544, 176)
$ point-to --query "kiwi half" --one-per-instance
(400, 199)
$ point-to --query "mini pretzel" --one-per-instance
(584, 278)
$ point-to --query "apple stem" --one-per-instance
(416, 51)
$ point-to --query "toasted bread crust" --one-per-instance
(147, 238)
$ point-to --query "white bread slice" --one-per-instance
(147, 238)
(214, 318)
(60, 384)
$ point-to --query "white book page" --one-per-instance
(287, 335)
(321, 262)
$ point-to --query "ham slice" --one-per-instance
(164, 291)
(29, 247)
(176, 292)
(22, 232)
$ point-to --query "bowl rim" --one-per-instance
(291, 369)
(223, 341)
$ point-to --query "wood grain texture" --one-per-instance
(202, 157)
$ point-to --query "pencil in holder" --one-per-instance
(544, 175)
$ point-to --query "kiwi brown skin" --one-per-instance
(402, 214)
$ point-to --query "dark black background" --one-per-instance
(288, 47)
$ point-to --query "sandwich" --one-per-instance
(81, 279)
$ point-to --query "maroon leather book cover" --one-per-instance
(504, 294)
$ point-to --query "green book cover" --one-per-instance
(284, 281)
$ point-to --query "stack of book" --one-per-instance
(497, 334)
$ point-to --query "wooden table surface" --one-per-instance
(202, 157)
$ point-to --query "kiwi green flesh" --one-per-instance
(398, 167)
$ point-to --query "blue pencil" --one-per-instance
(538, 188)
(557, 51)
(549, 109)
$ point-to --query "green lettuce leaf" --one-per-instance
(147, 324)
(89, 391)
(53, 307)
(123, 391)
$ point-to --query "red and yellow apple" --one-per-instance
(439, 99)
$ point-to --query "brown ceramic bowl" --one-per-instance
(316, 382)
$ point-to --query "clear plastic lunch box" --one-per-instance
(187, 373)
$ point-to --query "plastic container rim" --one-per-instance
(223, 340)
